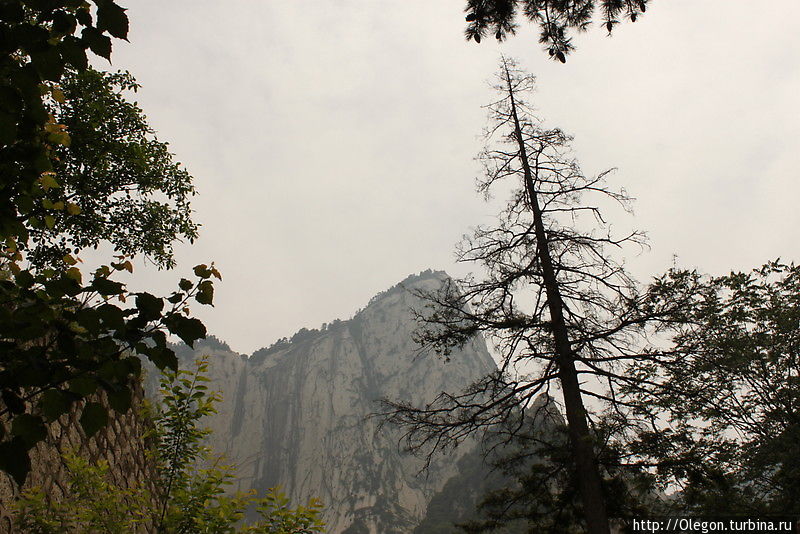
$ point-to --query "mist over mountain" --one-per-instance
(295, 414)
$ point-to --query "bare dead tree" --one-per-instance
(558, 308)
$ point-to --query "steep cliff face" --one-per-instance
(296, 414)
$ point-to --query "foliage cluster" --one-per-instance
(64, 341)
(190, 488)
(79, 165)
(118, 179)
(720, 418)
(714, 425)
(556, 19)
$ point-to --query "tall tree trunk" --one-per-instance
(588, 474)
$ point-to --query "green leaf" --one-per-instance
(83, 386)
(175, 298)
(8, 128)
(159, 338)
(24, 279)
(11, 101)
(162, 357)
(49, 63)
(42, 162)
(202, 271)
(120, 400)
(54, 404)
(48, 181)
(112, 18)
(84, 16)
(29, 427)
(112, 316)
(29, 36)
(149, 307)
(74, 53)
(113, 371)
(14, 459)
(93, 418)
(100, 44)
(12, 401)
(64, 23)
(104, 286)
(12, 12)
(188, 329)
(205, 293)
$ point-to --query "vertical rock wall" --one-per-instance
(121, 443)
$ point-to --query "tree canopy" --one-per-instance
(65, 336)
(721, 418)
(557, 20)
(119, 183)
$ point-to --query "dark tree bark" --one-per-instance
(580, 438)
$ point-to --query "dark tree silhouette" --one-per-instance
(119, 183)
(64, 338)
(723, 412)
(556, 19)
(555, 304)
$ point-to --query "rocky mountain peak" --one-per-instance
(295, 414)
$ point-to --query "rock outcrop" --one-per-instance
(297, 414)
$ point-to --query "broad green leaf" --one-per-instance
(49, 63)
(54, 404)
(188, 329)
(83, 386)
(48, 181)
(175, 298)
(8, 128)
(162, 357)
(25, 279)
(149, 307)
(202, 271)
(112, 18)
(120, 400)
(93, 417)
(29, 427)
(58, 95)
(60, 138)
(74, 53)
(205, 293)
(12, 401)
(100, 44)
(75, 274)
(104, 286)
(14, 459)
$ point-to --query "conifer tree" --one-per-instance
(556, 19)
(559, 309)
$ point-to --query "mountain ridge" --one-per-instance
(295, 413)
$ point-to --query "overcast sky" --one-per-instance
(333, 142)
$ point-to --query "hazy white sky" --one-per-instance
(332, 142)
